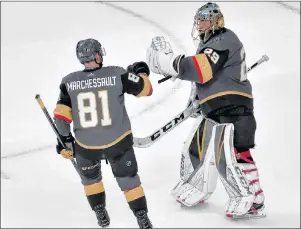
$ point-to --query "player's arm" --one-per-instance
(202, 67)
(135, 81)
(63, 111)
(62, 120)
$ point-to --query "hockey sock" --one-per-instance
(136, 199)
(243, 156)
(95, 194)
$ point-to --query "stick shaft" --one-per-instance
(52, 124)
(260, 61)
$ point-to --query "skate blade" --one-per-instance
(260, 213)
(183, 205)
(245, 217)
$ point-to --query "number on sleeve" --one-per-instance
(133, 78)
(212, 55)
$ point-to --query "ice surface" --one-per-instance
(40, 189)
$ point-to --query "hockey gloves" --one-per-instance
(161, 58)
(69, 142)
(138, 68)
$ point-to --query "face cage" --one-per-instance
(195, 33)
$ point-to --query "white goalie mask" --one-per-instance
(210, 14)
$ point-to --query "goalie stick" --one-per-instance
(158, 134)
(261, 60)
(149, 140)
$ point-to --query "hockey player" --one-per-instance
(93, 99)
(224, 133)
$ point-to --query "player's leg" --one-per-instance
(198, 172)
(125, 170)
(91, 178)
(237, 168)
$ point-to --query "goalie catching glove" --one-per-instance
(66, 152)
(161, 58)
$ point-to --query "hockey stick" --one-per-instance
(164, 79)
(39, 100)
(149, 140)
(262, 59)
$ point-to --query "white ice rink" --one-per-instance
(41, 189)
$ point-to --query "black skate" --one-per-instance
(102, 215)
(143, 220)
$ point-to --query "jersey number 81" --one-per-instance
(92, 109)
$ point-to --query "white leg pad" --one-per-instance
(198, 184)
(239, 179)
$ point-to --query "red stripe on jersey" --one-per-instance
(150, 91)
(197, 66)
(63, 118)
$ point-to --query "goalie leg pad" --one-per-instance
(187, 167)
(240, 180)
(198, 172)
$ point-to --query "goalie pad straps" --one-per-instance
(251, 172)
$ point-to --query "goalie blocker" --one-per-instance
(208, 152)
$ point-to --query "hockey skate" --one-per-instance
(143, 220)
(102, 215)
(252, 204)
(256, 211)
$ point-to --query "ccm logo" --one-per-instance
(168, 126)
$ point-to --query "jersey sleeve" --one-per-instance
(201, 68)
(138, 85)
(63, 109)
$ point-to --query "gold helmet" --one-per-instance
(208, 12)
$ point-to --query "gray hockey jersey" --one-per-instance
(94, 101)
(219, 70)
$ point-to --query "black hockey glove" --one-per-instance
(69, 142)
(139, 68)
